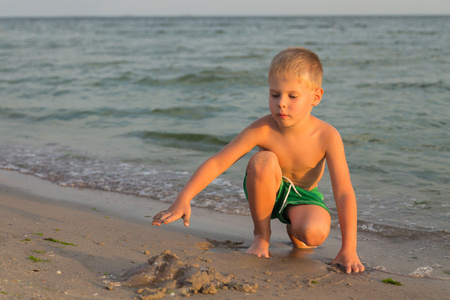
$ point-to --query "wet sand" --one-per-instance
(65, 243)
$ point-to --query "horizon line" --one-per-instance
(227, 16)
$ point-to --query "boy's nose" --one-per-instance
(282, 102)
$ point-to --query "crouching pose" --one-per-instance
(281, 179)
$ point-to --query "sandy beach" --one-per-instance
(66, 243)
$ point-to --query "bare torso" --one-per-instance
(301, 154)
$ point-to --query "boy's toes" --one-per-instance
(258, 253)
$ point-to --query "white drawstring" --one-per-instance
(291, 184)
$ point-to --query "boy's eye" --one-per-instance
(275, 95)
(293, 97)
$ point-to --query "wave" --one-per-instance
(41, 80)
(11, 113)
(244, 56)
(192, 113)
(206, 77)
(399, 232)
(219, 75)
(182, 140)
(202, 77)
(364, 138)
(32, 114)
(99, 64)
(67, 168)
(413, 32)
(68, 114)
(406, 85)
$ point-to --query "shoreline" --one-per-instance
(113, 233)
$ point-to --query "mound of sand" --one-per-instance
(167, 274)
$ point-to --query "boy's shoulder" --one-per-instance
(265, 122)
(326, 131)
(325, 127)
(329, 137)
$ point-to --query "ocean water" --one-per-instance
(134, 105)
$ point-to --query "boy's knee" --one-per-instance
(263, 162)
(311, 235)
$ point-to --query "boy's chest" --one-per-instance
(302, 153)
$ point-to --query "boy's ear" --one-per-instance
(318, 93)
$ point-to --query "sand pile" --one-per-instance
(166, 274)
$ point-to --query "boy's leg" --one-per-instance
(310, 225)
(263, 181)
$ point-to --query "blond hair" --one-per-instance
(299, 62)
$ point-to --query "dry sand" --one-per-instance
(109, 233)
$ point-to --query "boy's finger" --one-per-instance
(159, 215)
(186, 220)
(171, 218)
(156, 217)
(157, 222)
(160, 218)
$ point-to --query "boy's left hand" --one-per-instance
(349, 260)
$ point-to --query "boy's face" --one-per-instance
(291, 100)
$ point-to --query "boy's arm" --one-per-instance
(344, 196)
(206, 173)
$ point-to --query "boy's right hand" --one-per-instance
(173, 213)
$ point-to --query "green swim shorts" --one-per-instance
(289, 194)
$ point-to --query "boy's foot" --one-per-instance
(259, 247)
(296, 242)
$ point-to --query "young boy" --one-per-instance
(281, 179)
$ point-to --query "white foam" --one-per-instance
(422, 272)
(381, 268)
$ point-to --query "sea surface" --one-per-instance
(134, 105)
